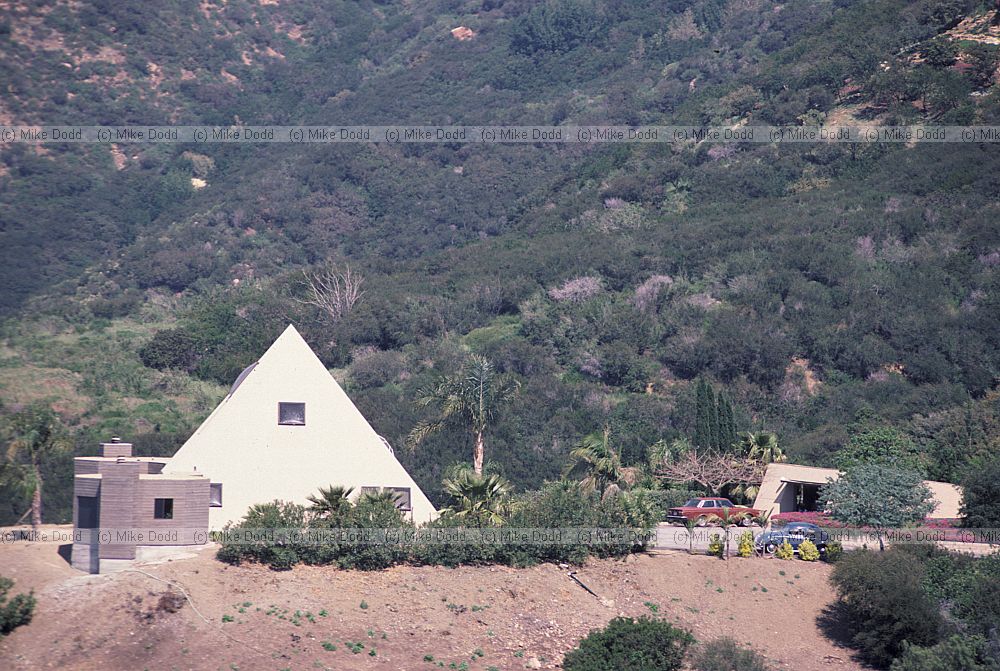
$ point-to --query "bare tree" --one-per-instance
(334, 292)
(710, 469)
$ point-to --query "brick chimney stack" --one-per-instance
(116, 448)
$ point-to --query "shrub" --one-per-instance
(745, 546)
(785, 551)
(834, 551)
(967, 653)
(884, 600)
(725, 654)
(280, 551)
(15, 612)
(627, 643)
(981, 494)
(715, 545)
(373, 512)
(808, 551)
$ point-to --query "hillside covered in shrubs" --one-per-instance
(823, 290)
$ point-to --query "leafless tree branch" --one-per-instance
(334, 292)
(711, 469)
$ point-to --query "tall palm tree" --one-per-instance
(472, 397)
(331, 501)
(601, 467)
(34, 434)
(480, 498)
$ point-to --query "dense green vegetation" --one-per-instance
(631, 643)
(908, 603)
(818, 291)
(14, 611)
(556, 506)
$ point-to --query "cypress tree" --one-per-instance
(713, 418)
(727, 423)
(702, 424)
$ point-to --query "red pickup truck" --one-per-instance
(705, 510)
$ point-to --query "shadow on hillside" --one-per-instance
(836, 626)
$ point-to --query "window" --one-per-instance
(88, 516)
(215, 495)
(402, 497)
(292, 414)
(708, 504)
(163, 509)
(724, 504)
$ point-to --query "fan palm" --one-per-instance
(332, 501)
(482, 498)
(473, 397)
(601, 467)
(761, 447)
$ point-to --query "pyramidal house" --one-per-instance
(285, 429)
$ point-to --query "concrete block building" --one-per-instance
(126, 507)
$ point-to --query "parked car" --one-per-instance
(794, 533)
(704, 511)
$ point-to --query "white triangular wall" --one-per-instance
(257, 460)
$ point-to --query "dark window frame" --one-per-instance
(163, 509)
(213, 500)
(289, 407)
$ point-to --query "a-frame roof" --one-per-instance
(242, 445)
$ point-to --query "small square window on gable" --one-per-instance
(292, 414)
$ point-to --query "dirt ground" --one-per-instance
(405, 618)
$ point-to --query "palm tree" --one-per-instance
(331, 502)
(763, 448)
(35, 434)
(600, 464)
(479, 498)
(690, 524)
(473, 397)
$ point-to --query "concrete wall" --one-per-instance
(126, 490)
(190, 508)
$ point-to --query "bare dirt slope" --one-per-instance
(401, 618)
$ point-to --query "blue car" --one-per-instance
(794, 533)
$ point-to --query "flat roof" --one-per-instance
(157, 460)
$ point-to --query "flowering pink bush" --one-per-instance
(647, 292)
(577, 289)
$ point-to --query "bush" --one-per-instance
(627, 643)
(965, 653)
(808, 551)
(785, 551)
(280, 551)
(981, 494)
(745, 546)
(715, 545)
(885, 602)
(377, 511)
(834, 551)
(725, 654)
(15, 612)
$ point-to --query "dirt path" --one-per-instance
(484, 617)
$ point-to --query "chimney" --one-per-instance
(116, 448)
